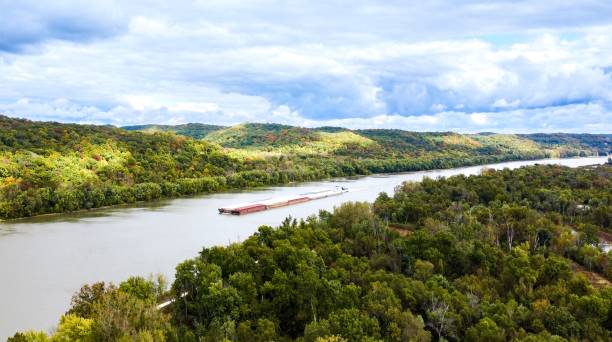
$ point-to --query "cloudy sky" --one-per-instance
(468, 66)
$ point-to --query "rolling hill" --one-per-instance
(194, 130)
(268, 137)
(48, 167)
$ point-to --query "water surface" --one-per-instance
(44, 260)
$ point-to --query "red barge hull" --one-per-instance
(247, 208)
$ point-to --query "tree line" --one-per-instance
(501, 256)
(54, 168)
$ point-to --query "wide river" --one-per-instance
(44, 260)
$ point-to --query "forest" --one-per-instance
(194, 130)
(48, 167)
(508, 255)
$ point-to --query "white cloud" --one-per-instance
(576, 118)
(479, 118)
(503, 103)
(311, 62)
(571, 118)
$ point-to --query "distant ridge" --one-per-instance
(194, 130)
(257, 135)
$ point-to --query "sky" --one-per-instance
(465, 66)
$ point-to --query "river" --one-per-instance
(44, 260)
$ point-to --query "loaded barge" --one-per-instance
(251, 207)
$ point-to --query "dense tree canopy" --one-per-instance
(53, 168)
(194, 130)
(502, 256)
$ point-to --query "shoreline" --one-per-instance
(264, 187)
(65, 251)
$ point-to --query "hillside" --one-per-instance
(385, 142)
(399, 145)
(601, 142)
(48, 167)
(194, 130)
(262, 136)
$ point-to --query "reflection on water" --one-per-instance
(7, 230)
(43, 260)
(85, 214)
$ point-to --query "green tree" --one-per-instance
(82, 301)
(353, 325)
(73, 328)
(485, 330)
(120, 315)
(29, 336)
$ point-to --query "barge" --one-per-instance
(271, 203)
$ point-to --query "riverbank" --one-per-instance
(52, 256)
(451, 233)
(212, 185)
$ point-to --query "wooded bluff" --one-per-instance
(48, 167)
